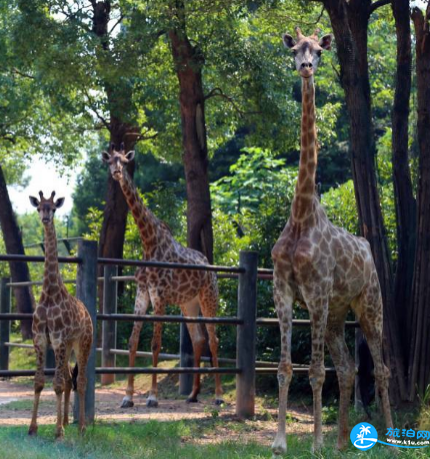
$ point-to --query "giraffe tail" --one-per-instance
(75, 378)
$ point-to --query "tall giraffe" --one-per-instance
(326, 268)
(190, 289)
(63, 321)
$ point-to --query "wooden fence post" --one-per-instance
(110, 296)
(246, 335)
(4, 324)
(86, 291)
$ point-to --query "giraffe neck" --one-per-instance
(146, 221)
(304, 197)
(52, 280)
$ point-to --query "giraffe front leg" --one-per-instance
(318, 315)
(68, 386)
(283, 298)
(159, 308)
(40, 346)
(140, 308)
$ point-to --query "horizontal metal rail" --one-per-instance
(35, 283)
(146, 318)
(161, 371)
(165, 265)
(38, 258)
(130, 371)
(298, 322)
(297, 370)
(172, 318)
(180, 319)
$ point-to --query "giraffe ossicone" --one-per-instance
(191, 290)
(326, 268)
(63, 321)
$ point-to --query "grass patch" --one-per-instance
(112, 441)
(178, 440)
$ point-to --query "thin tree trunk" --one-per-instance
(188, 64)
(18, 270)
(419, 363)
(403, 191)
(350, 23)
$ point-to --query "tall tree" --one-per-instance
(419, 367)
(188, 60)
(350, 21)
(403, 190)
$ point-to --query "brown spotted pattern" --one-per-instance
(192, 290)
(63, 321)
(327, 269)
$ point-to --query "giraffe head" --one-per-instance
(46, 207)
(117, 160)
(307, 50)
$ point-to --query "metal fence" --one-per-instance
(246, 321)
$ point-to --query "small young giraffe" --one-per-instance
(327, 269)
(63, 321)
(192, 290)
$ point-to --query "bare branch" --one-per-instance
(93, 107)
(121, 17)
(218, 92)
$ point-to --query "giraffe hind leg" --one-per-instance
(370, 319)
(209, 306)
(140, 308)
(191, 309)
(345, 370)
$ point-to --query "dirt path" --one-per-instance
(16, 403)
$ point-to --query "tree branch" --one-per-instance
(218, 92)
(378, 4)
(94, 109)
(121, 17)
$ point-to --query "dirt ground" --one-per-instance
(16, 402)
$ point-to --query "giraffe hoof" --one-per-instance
(219, 401)
(151, 402)
(127, 403)
(192, 400)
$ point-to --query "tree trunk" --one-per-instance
(419, 363)
(18, 270)
(111, 243)
(188, 62)
(403, 192)
(350, 23)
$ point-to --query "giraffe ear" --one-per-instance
(130, 155)
(325, 41)
(288, 40)
(59, 202)
(105, 156)
(34, 201)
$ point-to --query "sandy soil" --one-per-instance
(262, 428)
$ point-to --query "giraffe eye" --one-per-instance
(319, 53)
(294, 52)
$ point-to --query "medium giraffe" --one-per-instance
(63, 321)
(326, 268)
(190, 289)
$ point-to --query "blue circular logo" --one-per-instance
(364, 436)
